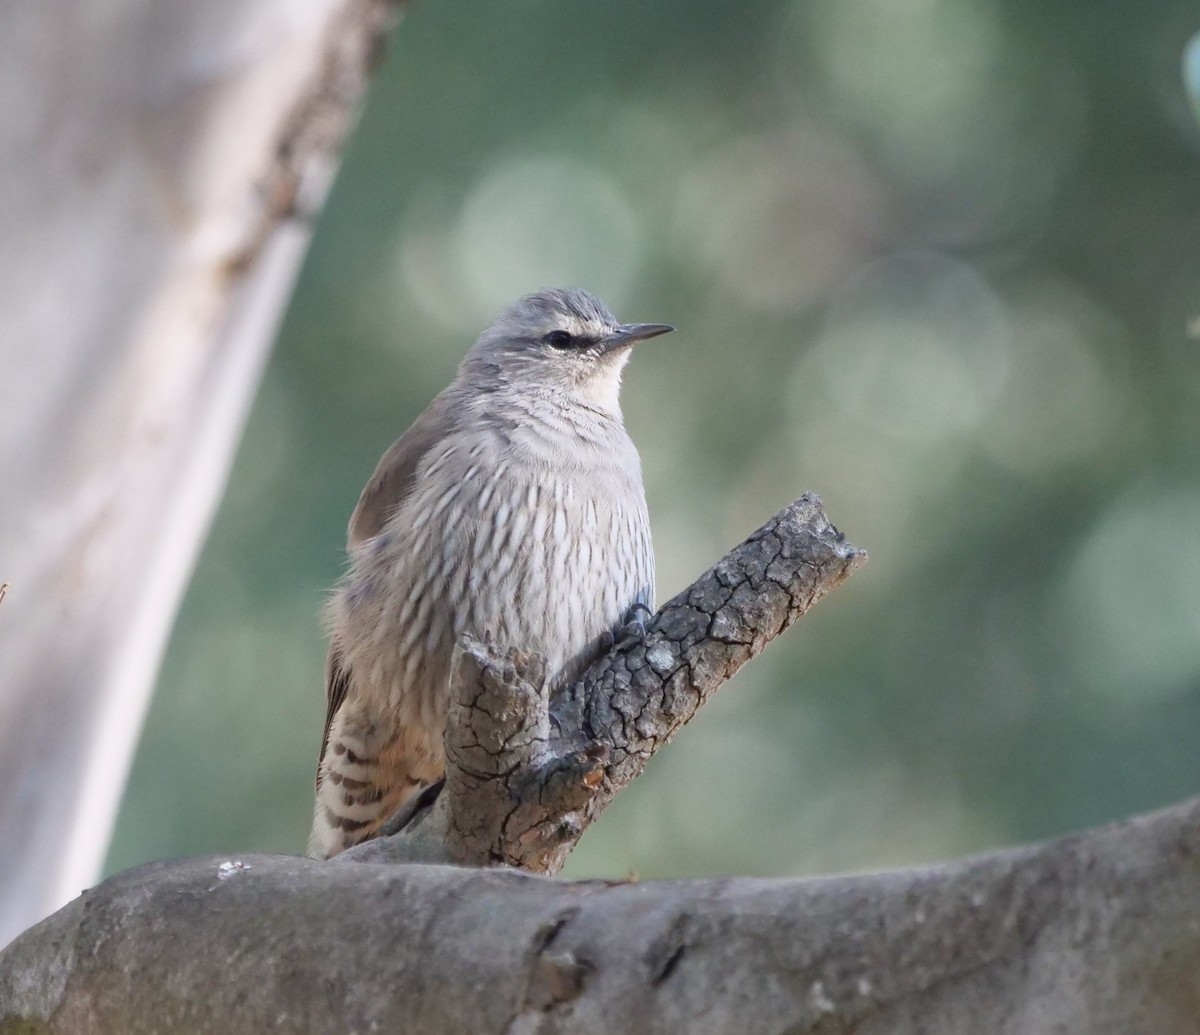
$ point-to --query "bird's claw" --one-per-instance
(415, 805)
(633, 626)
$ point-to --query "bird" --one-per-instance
(512, 510)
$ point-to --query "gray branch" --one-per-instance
(1095, 934)
(528, 770)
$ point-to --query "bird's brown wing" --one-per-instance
(396, 472)
(337, 684)
(388, 487)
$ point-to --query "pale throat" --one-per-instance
(602, 392)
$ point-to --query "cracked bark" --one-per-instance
(1092, 934)
(528, 770)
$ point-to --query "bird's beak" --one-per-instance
(629, 333)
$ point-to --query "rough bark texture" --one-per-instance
(527, 771)
(1095, 934)
(159, 164)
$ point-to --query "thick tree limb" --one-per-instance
(1096, 934)
(528, 770)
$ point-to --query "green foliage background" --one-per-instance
(937, 260)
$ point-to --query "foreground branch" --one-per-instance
(1094, 934)
(528, 770)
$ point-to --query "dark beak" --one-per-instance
(629, 333)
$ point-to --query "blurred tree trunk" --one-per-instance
(159, 164)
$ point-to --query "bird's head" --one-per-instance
(561, 341)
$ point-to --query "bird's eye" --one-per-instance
(559, 340)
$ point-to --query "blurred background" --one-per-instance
(937, 260)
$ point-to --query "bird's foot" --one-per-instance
(633, 626)
(409, 811)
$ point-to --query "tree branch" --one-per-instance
(1094, 934)
(527, 770)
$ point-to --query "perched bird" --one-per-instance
(512, 509)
